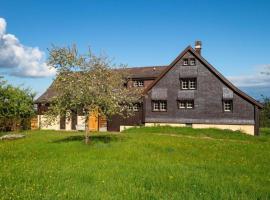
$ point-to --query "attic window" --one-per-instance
(185, 61)
(138, 83)
(192, 61)
(188, 83)
(228, 105)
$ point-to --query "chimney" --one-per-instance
(198, 47)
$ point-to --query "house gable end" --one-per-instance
(211, 68)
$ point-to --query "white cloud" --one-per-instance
(258, 79)
(20, 60)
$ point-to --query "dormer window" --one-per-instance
(185, 61)
(192, 61)
(138, 83)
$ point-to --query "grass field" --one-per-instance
(146, 163)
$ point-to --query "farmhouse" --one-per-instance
(187, 92)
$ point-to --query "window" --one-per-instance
(181, 104)
(192, 84)
(138, 83)
(184, 84)
(188, 83)
(185, 61)
(159, 106)
(135, 107)
(192, 61)
(189, 104)
(186, 104)
(227, 105)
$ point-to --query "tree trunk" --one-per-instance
(87, 139)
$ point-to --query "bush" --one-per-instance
(16, 107)
(265, 113)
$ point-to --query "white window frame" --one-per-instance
(185, 61)
(163, 106)
(192, 61)
(181, 105)
(227, 105)
(138, 83)
(136, 107)
(159, 105)
(184, 84)
(192, 84)
(185, 104)
(188, 83)
(155, 106)
(189, 104)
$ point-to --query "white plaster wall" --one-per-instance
(53, 126)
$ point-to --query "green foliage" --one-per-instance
(265, 113)
(87, 83)
(151, 163)
(16, 107)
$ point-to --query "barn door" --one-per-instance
(93, 121)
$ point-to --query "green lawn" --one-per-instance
(146, 163)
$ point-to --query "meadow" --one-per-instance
(140, 163)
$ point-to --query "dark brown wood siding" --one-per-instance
(114, 123)
(208, 96)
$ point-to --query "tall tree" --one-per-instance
(88, 83)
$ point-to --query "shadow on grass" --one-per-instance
(92, 138)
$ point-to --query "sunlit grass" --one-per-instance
(146, 163)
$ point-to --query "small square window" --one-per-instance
(138, 83)
(163, 105)
(186, 104)
(184, 84)
(190, 104)
(192, 61)
(188, 83)
(192, 84)
(136, 107)
(181, 105)
(185, 61)
(227, 105)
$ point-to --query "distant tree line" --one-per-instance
(16, 107)
(265, 113)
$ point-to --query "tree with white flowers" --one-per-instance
(89, 83)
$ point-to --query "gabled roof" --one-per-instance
(151, 72)
(211, 68)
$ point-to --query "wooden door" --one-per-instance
(93, 121)
(74, 120)
(63, 122)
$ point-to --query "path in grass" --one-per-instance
(137, 164)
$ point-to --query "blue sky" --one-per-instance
(235, 35)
